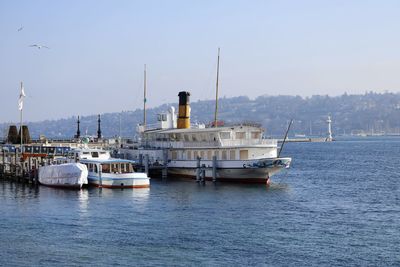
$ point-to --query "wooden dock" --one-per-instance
(22, 166)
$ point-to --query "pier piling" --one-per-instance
(214, 168)
(146, 164)
(203, 174)
(164, 172)
(198, 169)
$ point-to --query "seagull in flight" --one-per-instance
(39, 46)
(20, 29)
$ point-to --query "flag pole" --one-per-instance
(21, 118)
(144, 98)
(216, 95)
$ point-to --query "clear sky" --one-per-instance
(98, 49)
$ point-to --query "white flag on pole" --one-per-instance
(21, 98)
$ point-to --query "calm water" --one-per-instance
(338, 205)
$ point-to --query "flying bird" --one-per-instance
(39, 46)
(20, 29)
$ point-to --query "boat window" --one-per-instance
(105, 168)
(209, 156)
(126, 168)
(123, 167)
(240, 135)
(130, 167)
(178, 137)
(102, 152)
(91, 167)
(174, 155)
(212, 137)
(224, 154)
(189, 155)
(95, 168)
(203, 137)
(172, 137)
(232, 154)
(186, 137)
(114, 168)
(162, 117)
(255, 135)
(216, 153)
(195, 154)
(95, 154)
(85, 153)
(225, 135)
(194, 137)
(202, 154)
(244, 154)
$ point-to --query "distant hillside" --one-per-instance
(371, 112)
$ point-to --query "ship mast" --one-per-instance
(144, 98)
(216, 93)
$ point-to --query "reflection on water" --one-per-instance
(136, 193)
(21, 191)
(83, 197)
(127, 196)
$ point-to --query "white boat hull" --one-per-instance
(132, 180)
(69, 175)
(245, 171)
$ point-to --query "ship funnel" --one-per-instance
(184, 110)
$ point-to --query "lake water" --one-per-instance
(338, 205)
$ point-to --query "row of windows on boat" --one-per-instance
(203, 137)
(93, 154)
(37, 149)
(110, 168)
(208, 154)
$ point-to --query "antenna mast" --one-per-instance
(144, 99)
(216, 93)
(21, 108)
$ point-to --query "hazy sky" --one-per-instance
(98, 49)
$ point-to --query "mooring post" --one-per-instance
(198, 169)
(30, 176)
(203, 174)
(164, 173)
(36, 175)
(146, 164)
(24, 170)
(15, 165)
(100, 177)
(4, 162)
(140, 159)
(214, 168)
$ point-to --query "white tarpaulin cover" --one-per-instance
(69, 174)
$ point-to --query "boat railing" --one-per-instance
(157, 126)
(221, 143)
(249, 142)
(153, 126)
(181, 144)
